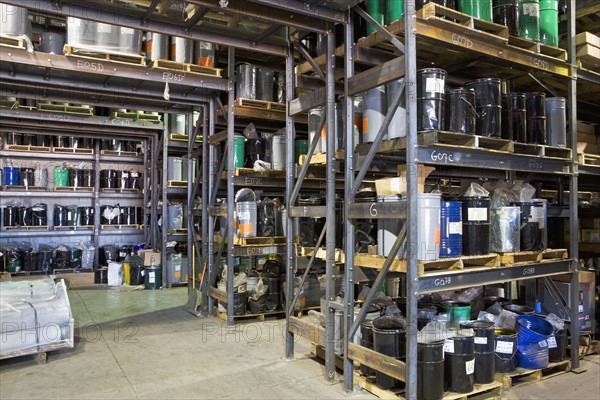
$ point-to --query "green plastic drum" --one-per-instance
(481, 9)
(375, 8)
(549, 22)
(239, 151)
(152, 278)
(529, 19)
(13, 266)
(394, 10)
(458, 311)
(61, 176)
(300, 147)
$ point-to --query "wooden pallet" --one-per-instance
(368, 384)
(251, 173)
(299, 313)
(448, 19)
(176, 284)
(25, 228)
(72, 150)
(74, 189)
(65, 109)
(122, 190)
(21, 188)
(74, 228)
(177, 231)
(537, 47)
(260, 104)
(522, 376)
(28, 148)
(521, 257)
(136, 116)
(555, 254)
(177, 184)
(259, 240)
(455, 139)
(119, 227)
(28, 273)
(177, 137)
(12, 41)
(9, 104)
(321, 158)
(339, 256)
(540, 150)
(588, 159)
(259, 317)
(491, 260)
(185, 67)
(118, 153)
(98, 54)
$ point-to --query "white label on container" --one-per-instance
(76, 22)
(531, 9)
(151, 276)
(470, 366)
(104, 28)
(434, 85)
(477, 214)
(455, 228)
(580, 309)
(552, 342)
(543, 344)
(244, 215)
(449, 346)
(504, 347)
(127, 31)
(480, 340)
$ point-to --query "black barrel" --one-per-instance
(389, 338)
(476, 225)
(101, 276)
(61, 215)
(505, 350)
(240, 303)
(255, 150)
(14, 138)
(88, 178)
(484, 350)
(26, 176)
(29, 139)
(86, 143)
(488, 105)
(127, 215)
(514, 125)
(10, 216)
(430, 370)
(122, 179)
(506, 12)
(309, 229)
(366, 340)
(72, 215)
(61, 141)
(108, 179)
(137, 275)
(536, 117)
(461, 115)
(557, 345)
(135, 180)
(531, 236)
(25, 216)
(459, 368)
(139, 215)
(86, 216)
(39, 214)
(430, 98)
(43, 140)
(75, 177)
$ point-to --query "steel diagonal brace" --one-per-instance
(543, 84)
(378, 139)
(392, 39)
(308, 58)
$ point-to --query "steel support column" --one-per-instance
(230, 177)
(208, 202)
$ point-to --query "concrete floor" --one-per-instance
(145, 345)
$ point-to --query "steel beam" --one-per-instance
(317, 12)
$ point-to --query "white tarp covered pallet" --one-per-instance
(35, 317)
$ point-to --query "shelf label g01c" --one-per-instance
(442, 281)
(442, 157)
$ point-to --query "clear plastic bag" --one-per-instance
(470, 294)
(259, 290)
(557, 322)
(507, 320)
(502, 197)
(476, 190)
(524, 191)
(250, 131)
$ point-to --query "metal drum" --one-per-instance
(52, 43)
(130, 41)
(86, 216)
(529, 19)
(536, 117)
(556, 121)
(506, 12)
(205, 53)
(265, 84)
(107, 36)
(81, 32)
(108, 179)
(430, 98)
(60, 215)
(374, 111)
(182, 50)
(15, 20)
(476, 225)
(39, 214)
(514, 117)
(246, 81)
(127, 216)
(157, 46)
(27, 176)
(451, 229)
(488, 105)
(460, 115)
(75, 177)
(122, 179)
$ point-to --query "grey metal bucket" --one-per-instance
(505, 227)
(52, 43)
(397, 126)
(182, 50)
(246, 213)
(556, 121)
(278, 152)
(387, 229)
(157, 46)
(374, 109)
(174, 168)
(246, 81)
(265, 84)
(429, 226)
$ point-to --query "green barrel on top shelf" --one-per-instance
(549, 22)
(375, 8)
(394, 10)
(529, 19)
(481, 9)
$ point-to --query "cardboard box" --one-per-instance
(398, 185)
(584, 127)
(583, 38)
(147, 254)
(584, 277)
(590, 235)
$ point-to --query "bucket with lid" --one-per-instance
(461, 115)
(514, 116)
(505, 350)
(108, 179)
(556, 121)
(72, 215)
(205, 53)
(86, 216)
(459, 367)
(39, 214)
(549, 22)
(174, 215)
(182, 50)
(61, 176)
(265, 84)
(374, 110)
(481, 9)
(388, 228)
(505, 236)
(429, 226)
(178, 124)
(488, 105)
(389, 338)
(476, 225)
(52, 43)
(174, 168)
(451, 229)
(152, 278)
(61, 215)
(530, 232)
(157, 46)
(458, 311)
(278, 152)
(122, 179)
(27, 176)
(245, 205)
(557, 345)
(430, 98)
(484, 350)
(239, 151)
(75, 177)
(11, 176)
(10, 216)
(127, 216)
(529, 19)
(397, 127)
(430, 370)
(246, 81)
(506, 12)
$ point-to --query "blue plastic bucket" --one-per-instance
(11, 176)
(533, 355)
(533, 329)
(451, 229)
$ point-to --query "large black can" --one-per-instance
(459, 367)
(389, 338)
(430, 370)
(476, 225)
(484, 350)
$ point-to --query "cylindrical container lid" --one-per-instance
(389, 322)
